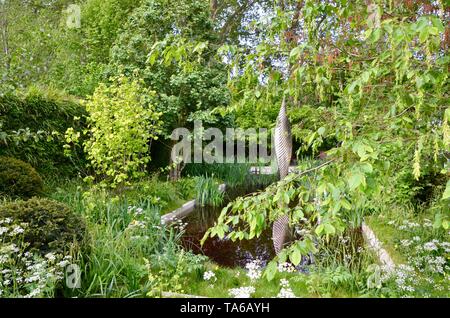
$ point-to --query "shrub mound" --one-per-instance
(50, 226)
(18, 179)
(46, 115)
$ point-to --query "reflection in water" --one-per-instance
(225, 252)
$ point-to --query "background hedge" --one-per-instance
(46, 112)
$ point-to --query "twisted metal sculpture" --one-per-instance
(283, 153)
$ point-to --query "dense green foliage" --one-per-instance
(121, 122)
(32, 127)
(370, 94)
(366, 86)
(208, 192)
(51, 225)
(18, 179)
(153, 43)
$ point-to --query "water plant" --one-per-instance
(208, 192)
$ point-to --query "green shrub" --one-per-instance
(18, 179)
(32, 127)
(122, 122)
(51, 226)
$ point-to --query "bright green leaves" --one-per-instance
(292, 253)
(300, 248)
(446, 194)
(364, 151)
(325, 229)
(295, 257)
(271, 270)
(427, 26)
(441, 221)
(177, 50)
(355, 180)
(121, 122)
(373, 36)
(353, 96)
(295, 53)
(417, 157)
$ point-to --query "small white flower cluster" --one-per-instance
(209, 275)
(286, 267)
(180, 225)
(135, 210)
(285, 291)
(407, 225)
(139, 237)
(22, 273)
(16, 230)
(254, 269)
(405, 276)
(427, 267)
(136, 224)
(242, 292)
(406, 243)
(427, 223)
(344, 239)
(6, 221)
(430, 246)
(302, 231)
(3, 230)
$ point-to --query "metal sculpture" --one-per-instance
(283, 153)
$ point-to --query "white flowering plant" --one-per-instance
(425, 267)
(24, 273)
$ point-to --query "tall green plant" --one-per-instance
(208, 192)
(121, 124)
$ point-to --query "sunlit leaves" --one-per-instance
(368, 85)
(121, 122)
(446, 194)
(356, 179)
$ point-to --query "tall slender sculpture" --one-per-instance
(283, 153)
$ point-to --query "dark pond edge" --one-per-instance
(184, 210)
(370, 238)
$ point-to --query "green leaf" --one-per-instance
(295, 256)
(319, 229)
(446, 194)
(295, 52)
(345, 204)
(271, 270)
(286, 198)
(329, 229)
(423, 35)
(375, 35)
(355, 180)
